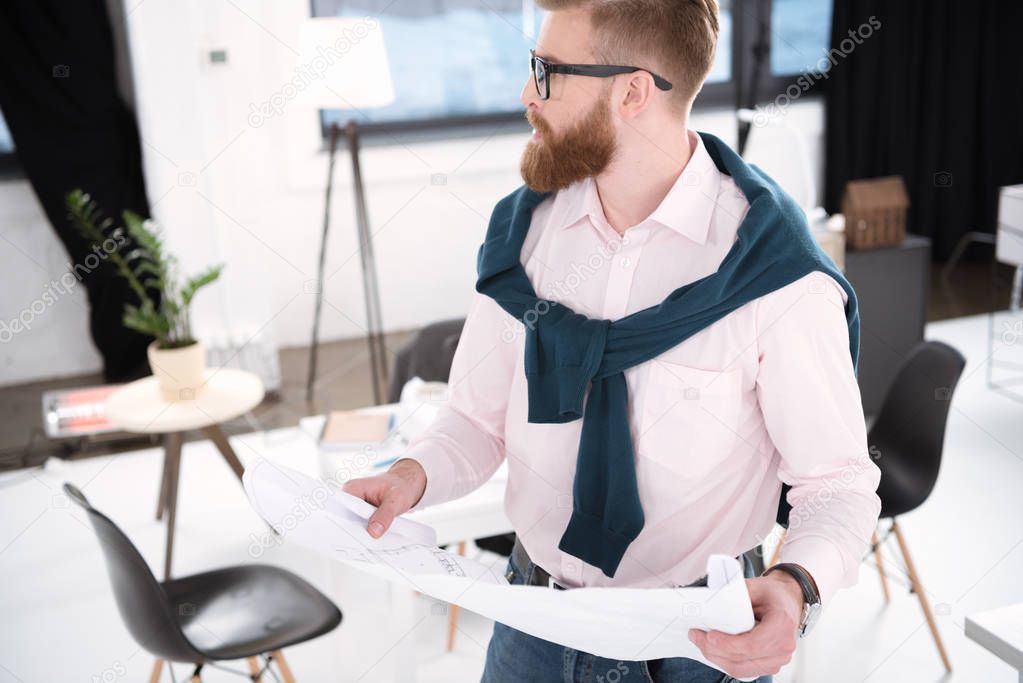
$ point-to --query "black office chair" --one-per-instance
(426, 355)
(908, 435)
(242, 612)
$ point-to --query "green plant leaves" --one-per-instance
(144, 262)
(196, 282)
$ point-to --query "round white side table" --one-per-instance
(140, 407)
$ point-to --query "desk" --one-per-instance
(1000, 631)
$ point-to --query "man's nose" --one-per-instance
(528, 95)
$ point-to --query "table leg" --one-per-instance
(214, 434)
(161, 504)
(172, 451)
(453, 611)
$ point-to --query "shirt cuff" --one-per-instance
(439, 473)
(822, 559)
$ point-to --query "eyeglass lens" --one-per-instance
(539, 76)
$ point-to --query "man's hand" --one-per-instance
(778, 608)
(393, 493)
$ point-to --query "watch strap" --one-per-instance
(802, 577)
(811, 598)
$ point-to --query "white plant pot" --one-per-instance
(181, 372)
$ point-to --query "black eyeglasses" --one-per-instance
(542, 69)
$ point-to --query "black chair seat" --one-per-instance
(228, 613)
(247, 610)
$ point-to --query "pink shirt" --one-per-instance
(766, 394)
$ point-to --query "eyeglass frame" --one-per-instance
(596, 70)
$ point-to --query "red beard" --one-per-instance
(586, 149)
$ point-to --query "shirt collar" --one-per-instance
(687, 208)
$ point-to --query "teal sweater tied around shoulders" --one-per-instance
(566, 352)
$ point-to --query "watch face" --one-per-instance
(810, 613)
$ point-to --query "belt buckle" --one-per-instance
(551, 583)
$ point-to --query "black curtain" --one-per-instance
(71, 128)
(934, 94)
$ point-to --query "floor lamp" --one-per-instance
(352, 75)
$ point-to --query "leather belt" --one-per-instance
(541, 577)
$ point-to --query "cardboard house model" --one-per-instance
(875, 212)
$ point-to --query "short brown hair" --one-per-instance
(673, 38)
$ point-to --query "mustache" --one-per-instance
(538, 124)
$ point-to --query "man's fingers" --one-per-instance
(390, 507)
(742, 666)
(767, 636)
(763, 649)
(355, 487)
(370, 489)
(386, 493)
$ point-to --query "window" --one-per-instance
(778, 47)
(449, 59)
(721, 71)
(461, 62)
(6, 143)
(799, 35)
(8, 161)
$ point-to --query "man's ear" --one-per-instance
(637, 93)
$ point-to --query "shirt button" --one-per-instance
(570, 566)
(625, 261)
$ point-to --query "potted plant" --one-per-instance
(178, 360)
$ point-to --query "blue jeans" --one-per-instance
(514, 657)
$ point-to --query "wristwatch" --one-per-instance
(811, 598)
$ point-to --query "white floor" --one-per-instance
(58, 620)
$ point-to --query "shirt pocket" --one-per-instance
(690, 418)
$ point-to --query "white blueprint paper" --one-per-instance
(616, 623)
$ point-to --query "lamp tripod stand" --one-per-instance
(371, 293)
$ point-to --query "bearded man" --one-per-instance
(656, 345)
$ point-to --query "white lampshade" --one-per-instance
(1009, 247)
(343, 64)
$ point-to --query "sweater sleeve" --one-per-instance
(811, 405)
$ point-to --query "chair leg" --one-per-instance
(777, 549)
(880, 566)
(918, 587)
(453, 611)
(282, 664)
(254, 669)
(157, 669)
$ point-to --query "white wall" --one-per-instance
(252, 195)
(55, 340)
